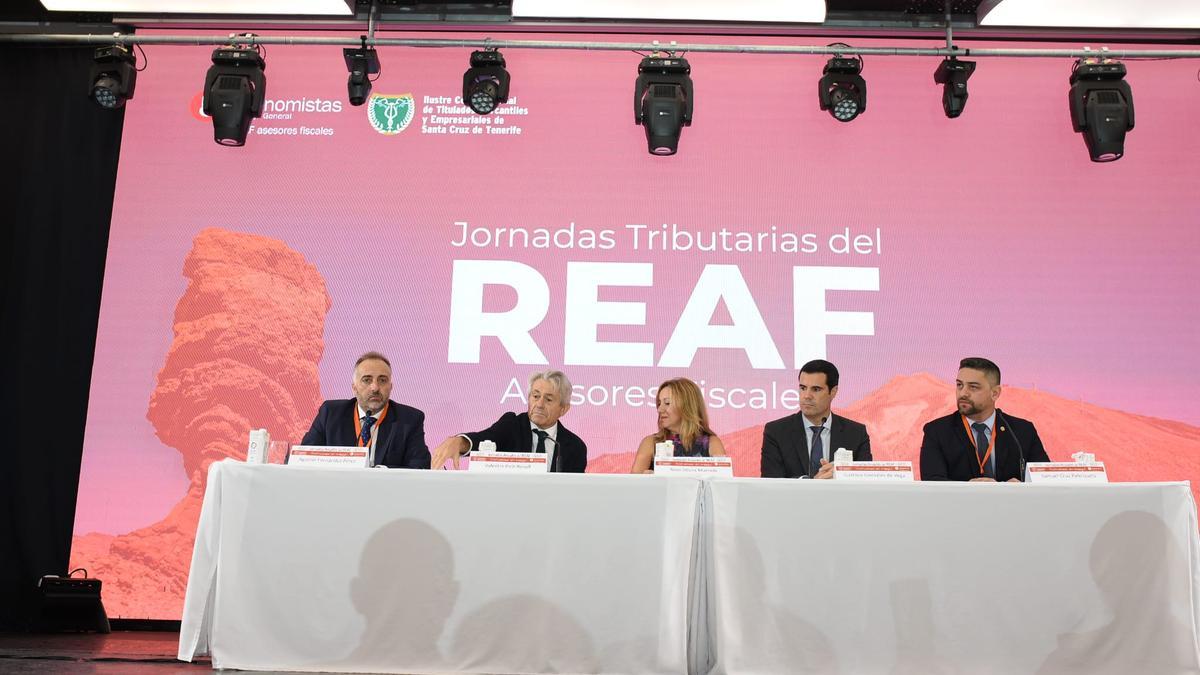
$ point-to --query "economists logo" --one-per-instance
(390, 113)
(276, 108)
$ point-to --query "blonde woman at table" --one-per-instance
(682, 420)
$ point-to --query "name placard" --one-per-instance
(1065, 472)
(874, 471)
(329, 457)
(508, 462)
(696, 467)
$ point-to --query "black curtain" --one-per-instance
(61, 154)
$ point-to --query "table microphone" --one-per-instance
(554, 464)
(1020, 450)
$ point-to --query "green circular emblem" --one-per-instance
(390, 113)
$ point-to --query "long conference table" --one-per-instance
(432, 572)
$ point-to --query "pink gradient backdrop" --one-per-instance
(999, 236)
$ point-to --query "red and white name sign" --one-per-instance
(508, 462)
(329, 457)
(696, 467)
(1065, 472)
(873, 471)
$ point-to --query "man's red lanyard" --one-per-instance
(987, 455)
(358, 423)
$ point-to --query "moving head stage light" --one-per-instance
(842, 90)
(234, 91)
(362, 63)
(662, 101)
(114, 74)
(1101, 107)
(953, 74)
(485, 84)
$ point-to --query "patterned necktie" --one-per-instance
(981, 447)
(365, 436)
(818, 451)
(542, 436)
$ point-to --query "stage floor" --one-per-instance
(139, 652)
(132, 652)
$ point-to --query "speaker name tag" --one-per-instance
(1065, 472)
(696, 467)
(507, 462)
(329, 457)
(874, 472)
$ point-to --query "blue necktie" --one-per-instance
(818, 451)
(368, 422)
(981, 447)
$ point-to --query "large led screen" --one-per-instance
(241, 283)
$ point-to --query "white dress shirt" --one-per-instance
(551, 442)
(990, 422)
(374, 430)
(825, 438)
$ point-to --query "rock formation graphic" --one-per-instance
(248, 340)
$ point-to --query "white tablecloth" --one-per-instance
(817, 576)
(418, 571)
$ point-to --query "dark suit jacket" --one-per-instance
(948, 454)
(511, 433)
(785, 444)
(400, 442)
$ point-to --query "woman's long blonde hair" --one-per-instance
(693, 416)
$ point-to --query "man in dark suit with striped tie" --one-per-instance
(979, 442)
(394, 432)
(802, 445)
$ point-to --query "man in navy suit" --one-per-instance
(802, 445)
(395, 433)
(538, 430)
(979, 442)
